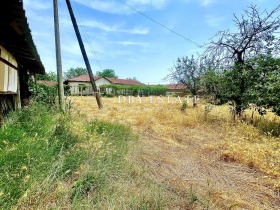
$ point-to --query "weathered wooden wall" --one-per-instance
(7, 104)
(24, 87)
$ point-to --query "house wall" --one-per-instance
(103, 81)
(8, 75)
(77, 89)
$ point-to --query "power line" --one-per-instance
(84, 30)
(158, 23)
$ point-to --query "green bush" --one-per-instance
(43, 92)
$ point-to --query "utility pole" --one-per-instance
(98, 99)
(58, 57)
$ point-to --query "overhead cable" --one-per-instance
(85, 32)
(158, 23)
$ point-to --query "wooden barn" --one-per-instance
(19, 58)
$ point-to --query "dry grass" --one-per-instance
(228, 164)
(101, 176)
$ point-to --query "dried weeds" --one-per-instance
(205, 159)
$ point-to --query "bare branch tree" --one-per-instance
(187, 71)
(255, 35)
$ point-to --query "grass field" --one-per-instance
(133, 155)
(51, 160)
(241, 158)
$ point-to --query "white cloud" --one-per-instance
(37, 5)
(129, 43)
(206, 3)
(136, 30)
(115, 28)
(119, 7)
(154, 3)
(214, 21)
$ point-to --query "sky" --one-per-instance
(140, 39)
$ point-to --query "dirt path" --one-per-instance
(200, 177)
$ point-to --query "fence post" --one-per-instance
(1, 118)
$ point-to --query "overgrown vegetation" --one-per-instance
(142, 90)
(54, 160)
(233, 51)
(74, 72)
(44, 93)
(188, 71)
(33, 142)
(242, 66)
(51, 160)
(203, 147)
(51, 76)
(110, 73)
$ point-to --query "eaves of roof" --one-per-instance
(15, 36)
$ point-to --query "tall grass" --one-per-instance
(53, 160)
(31, 144)
(256, 144)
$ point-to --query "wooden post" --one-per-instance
(58, 56)
(98, 99)
(194, 101)
(36, 85)
(1, 118)
(18, 99)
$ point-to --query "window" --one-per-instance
(8, 75)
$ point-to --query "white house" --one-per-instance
(81, 85)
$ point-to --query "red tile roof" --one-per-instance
(82, 78)
(85, 78)
(176, 87)
(124, 81)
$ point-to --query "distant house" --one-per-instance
(18, 57)
(176, 89)
(81, 85)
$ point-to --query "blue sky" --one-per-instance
(119, 38)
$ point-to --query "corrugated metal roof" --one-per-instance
(15, 36)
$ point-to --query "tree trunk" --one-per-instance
(194, 101)
(239, 102)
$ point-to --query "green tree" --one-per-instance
(261, 84)
(133, 78)
(188, 71)
(51, 76)
(75, 72)
(110, 73)
(255, 35)
(213, 87)
(265, 87)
